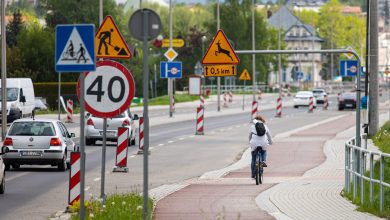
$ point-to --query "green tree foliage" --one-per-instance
(77, 11)
(13, 28)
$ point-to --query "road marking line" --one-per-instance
(192, 136)
(87, 188)
(160, 145)
(96, 179)
(16, 176)
(170, 142)
(132, 156)
(181, 138)
(151, 148)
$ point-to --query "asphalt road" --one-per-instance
(35, 192)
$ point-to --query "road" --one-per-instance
(36, 192)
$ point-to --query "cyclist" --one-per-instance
(259, 144)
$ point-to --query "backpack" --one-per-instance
(260, 129)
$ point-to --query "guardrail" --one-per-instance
(355, 170)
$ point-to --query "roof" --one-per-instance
(311, 37)
(36, 120)
(284, 19)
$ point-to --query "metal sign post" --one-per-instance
(59, 96)
(3, 74)
(144, 25)
(103, 171)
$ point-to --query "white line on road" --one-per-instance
(87, 188)
(132, 156)
(192, 136)
(151, 148)
(16, 176)
(96, 179)
(170, 142)
(181, 138)
(160, 145)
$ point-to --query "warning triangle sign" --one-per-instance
(75, 51)
(109, 42)
(245, 75)
(220, 51)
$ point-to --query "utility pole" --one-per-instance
(368, 69)
(218, 78)
(279, 56)
(253, 55)
(170, 82)
(3, 74)
(373, 88)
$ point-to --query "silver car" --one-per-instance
(2, 171)
(38, 142)
(94, 127)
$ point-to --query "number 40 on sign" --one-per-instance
(109, 90)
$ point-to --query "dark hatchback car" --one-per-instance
(346, 100)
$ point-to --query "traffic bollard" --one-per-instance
(311, 105)
(141, 135)
(69, 111)
(279, 107)
(199, 121)
(225, 101)
(201, 101)
(254, 109)
(121, 150)
(230, 96)
(325, 102)
(74, 178)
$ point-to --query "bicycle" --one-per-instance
(259, 169)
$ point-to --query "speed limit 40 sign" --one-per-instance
(109, 90)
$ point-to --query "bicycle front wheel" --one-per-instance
(260, 174)
(257, 177)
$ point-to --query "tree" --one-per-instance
(13, 28)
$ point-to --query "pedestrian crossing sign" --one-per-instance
(220, 51)
(109, 42)
(75, 51)
(245, 75)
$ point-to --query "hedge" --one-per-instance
(49, 90)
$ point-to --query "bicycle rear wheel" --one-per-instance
(260, 173)
(257, 177)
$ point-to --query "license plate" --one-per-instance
(348, 105)
(108, 133)
(31, 153)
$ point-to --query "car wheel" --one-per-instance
(295, 106)
(15, 166)
(2, 184)
(7, 167)
(90, 141)
(62, 165)
(68, 166)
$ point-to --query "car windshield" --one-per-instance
(12, 94)
(318, 91)
(349, 95)
(304, 94)
(32, 128)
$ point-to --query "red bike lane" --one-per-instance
(233, 196)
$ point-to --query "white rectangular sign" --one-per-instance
(194, 86)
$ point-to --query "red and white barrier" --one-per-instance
(311, 105)
(279, 107)
(230, 96)
(141, 135)
(254, 109)
(199, 121)
(74, 178)
(326, 102)
(69, 111)
(121, 150)
(225, 100)
(201, 101)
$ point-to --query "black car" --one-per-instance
(347, 100)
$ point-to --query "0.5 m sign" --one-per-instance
(219, 70)
(109, 90)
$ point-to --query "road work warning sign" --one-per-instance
(109, 42)
(220, 51)
(245, 75)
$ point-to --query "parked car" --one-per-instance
(39, 105)
(38, 142)
(346, 100)
(319, 94)
(302, 98)
(2, 171)
(94, 127)
(20, 98)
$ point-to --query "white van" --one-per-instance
(20, 98)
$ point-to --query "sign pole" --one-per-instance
(243, 97)
(59, 96)
(82, 146)
(3, 73)
(146, 116)
(103, 172)
(218, 78)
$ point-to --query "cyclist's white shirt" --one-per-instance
(255, 141)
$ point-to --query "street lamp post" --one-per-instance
(204, 38)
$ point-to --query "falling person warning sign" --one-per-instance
(220, 51)
(109, 42)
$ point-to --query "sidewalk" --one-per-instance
(230, 193)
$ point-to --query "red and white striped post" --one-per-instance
(254, 109)
(201, 101)
(74, 178)
(69, 111)
(230, 96)
(325, 102)
(141, 135)
(121, 150)
(311, 105)
(225, 101)
(199, 121)
(279, 107)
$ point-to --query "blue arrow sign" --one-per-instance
(75, 48)
(348, 67)
(170, 69)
